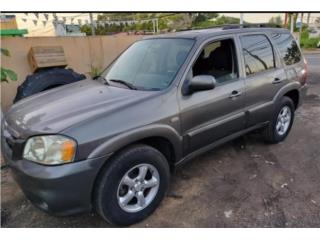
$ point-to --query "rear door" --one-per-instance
(264, 76)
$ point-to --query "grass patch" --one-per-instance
(307, 42)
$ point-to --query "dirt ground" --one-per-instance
(245, 183)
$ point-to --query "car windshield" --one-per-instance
(150, 64)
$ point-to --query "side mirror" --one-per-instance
(200, 83)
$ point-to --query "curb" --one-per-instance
(311, 51)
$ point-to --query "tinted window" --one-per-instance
(258, 53)
(150, 64)
(288, 48)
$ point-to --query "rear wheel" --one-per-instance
(280, 126)
(132, 185)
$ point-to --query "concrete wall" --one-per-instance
(80, 52)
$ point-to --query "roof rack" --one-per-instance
(235, 26)
(199, 28)
(250, 25)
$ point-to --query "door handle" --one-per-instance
(235, 94)
(276, 81)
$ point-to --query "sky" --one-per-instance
(48, 29)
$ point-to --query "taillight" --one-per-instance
(304, 76)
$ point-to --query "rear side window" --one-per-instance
(288, 48)
(258, 53)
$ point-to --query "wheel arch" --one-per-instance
(294, 96)
(291, 91)
(162, 137)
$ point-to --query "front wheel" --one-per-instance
(280, 126)
(132, 185)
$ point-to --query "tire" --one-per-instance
(271, 134)
(46, 79)
(108, 187)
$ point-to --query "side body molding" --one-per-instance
(126, 138)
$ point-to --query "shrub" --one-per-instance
(7, 74)
(309, 42)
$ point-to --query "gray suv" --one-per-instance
(110, 144)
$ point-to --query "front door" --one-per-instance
(207, 116)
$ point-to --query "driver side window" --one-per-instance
(218, 59)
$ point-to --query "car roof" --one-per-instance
(212, 32)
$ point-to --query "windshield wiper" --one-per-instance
(99, 77)
(127, 84)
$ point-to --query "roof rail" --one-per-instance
(234, 26)
(184, 29)
(250, 25)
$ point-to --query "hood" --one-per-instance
(60, 108)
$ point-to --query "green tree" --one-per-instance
(277, 21)
(202, 17)
(7, 74)
(86, 29)
(222, 20)
(226, 20)
(163, 24)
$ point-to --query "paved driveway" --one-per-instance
(245, 183)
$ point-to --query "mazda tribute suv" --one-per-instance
(110, 144)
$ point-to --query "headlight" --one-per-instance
(50, 149)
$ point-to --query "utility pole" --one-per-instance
(300, 29)
(285, 20)
(93, 31)
(157, 25)
(292, 22)
(154, 26)
(308, 19)
(241, 18)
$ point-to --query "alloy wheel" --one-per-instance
(283, 120)
(138, 187)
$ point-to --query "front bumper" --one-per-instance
(60, 190)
